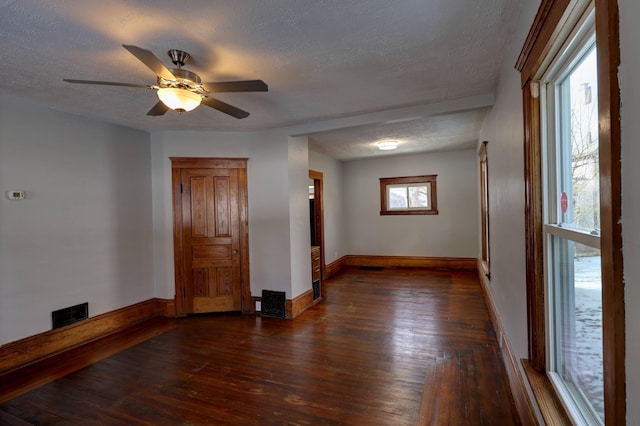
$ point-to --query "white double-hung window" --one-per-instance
(571, 225)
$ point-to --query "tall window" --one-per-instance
(572, 228)
(575, 288)
(484, 206)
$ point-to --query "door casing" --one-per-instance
(319, 216)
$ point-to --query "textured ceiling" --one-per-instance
(322, 59)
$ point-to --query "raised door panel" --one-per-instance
(211, 240)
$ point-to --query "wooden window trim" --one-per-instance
(545, 27)
(433, 197)
(484, 208)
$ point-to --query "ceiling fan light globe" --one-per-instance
(180, 100)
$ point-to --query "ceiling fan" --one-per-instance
(182, 90)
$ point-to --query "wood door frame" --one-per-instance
(319, 212)
(177, 165)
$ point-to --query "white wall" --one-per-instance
(300, 238)
(451, 233)
(333, 204)
(504, 132)
(269, 224)
(83, 233)
(270, 228)
(629, 72)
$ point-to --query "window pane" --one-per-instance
(576, 292)
(397, 197)
(418, 196)
(579, 197)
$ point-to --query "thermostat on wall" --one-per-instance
(15, 195)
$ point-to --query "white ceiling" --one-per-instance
(324, 61)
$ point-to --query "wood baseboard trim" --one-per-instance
(458, 263)
(38, 373)
(521, 397)
(298, 305)
(333, 268)
(166, 307)
(22, 352)
(293, 307)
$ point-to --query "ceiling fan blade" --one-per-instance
(237, 86)
(224, 107)
(158, 109)
(109, 83)
(150, 60)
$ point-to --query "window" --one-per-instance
(408, 195)
(575, 287)
(484, 206)
(571, 218)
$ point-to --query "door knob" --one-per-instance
(234, 251)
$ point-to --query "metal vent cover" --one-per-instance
(70, 315)
(273, 304)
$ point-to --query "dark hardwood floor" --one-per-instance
(391, 347)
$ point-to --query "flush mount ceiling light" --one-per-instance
(180, 100)
(387, 145)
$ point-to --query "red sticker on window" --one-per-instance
(564, 202)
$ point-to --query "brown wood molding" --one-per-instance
(433, 194)
(318, 183)
(17, 354)
(518, 388)
(243, 217)
(533, 228)
(299, 304)
(484, 207)
(460, 263)
(208, 163)
(166, 307)
(544, 26)
(551, 408)
(610, 154)
(334, 267)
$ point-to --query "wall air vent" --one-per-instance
(316, 289)
(371, 268)
(273, 304)
(69, 315)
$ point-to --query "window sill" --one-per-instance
(406, 212)
(484, 269)
(552, 410)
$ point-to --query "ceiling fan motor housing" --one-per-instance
(185, 79)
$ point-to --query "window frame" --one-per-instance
(484, 209)
(553, 23)
(407, 181)
(562, 238)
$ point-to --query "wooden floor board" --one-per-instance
(390, 347)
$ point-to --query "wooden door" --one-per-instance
(212, 248)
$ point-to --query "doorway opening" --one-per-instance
(316, 214)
